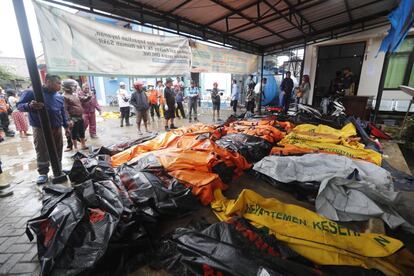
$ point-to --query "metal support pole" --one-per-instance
(406, 117)
(37, 89)
(261, 87)
(381, 86)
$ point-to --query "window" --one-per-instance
(400, 66)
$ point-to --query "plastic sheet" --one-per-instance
(157, 195)
(252, 148)
(236, 248)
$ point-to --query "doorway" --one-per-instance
(335, 58)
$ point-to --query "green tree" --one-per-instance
(6, 77)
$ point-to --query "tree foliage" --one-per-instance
(6, 76)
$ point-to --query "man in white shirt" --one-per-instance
(235, 94)
(259, 85)
(123, 101)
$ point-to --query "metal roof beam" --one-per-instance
(180, 6)
(348, 10)
(233, 13)
(293, 9)
(339, 35)
(271, 18)
(326, 30)
(224, 5)
(285, 17)
(314, 21)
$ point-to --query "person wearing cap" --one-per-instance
(73, 107)
(140, 101)
(215, 99)
(54, 104)
(154, 96)
(89, 105)
(193, 95)
(169, 106)
(123, 102)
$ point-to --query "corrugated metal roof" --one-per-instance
(252, 25)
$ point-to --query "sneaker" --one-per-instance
(42, 179)
(173, 127)
(94, 137)
(195, 120)
(167, 128)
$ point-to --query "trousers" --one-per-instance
(156, 108)
(42, 154)
(125, 114)
(180, 109)
(192, 106)
(89, 120)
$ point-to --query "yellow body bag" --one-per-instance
(315, 237)
(327, 139)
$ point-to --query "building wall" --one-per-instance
(371, 66)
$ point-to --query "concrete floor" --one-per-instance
(18, 254)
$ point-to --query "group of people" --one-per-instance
(74, 111)
(168, 97)
(8, 106)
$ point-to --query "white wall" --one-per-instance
(371, 66)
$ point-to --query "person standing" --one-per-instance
(304, 90)
(4, 115)
(140, 101)
(73, 107)
(179, 99)
(348, 82)
(235, 93)
(259, 89)
(169, 105)
(54, 105)
(154, 101)
(250, 95)
(286, 88)
(89, 105)
(336, 84)
(19, 118)
(193, 95)
(123, 101)
(215, 98)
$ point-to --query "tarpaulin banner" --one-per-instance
(76, 45)
(208, 59)
(313, 236)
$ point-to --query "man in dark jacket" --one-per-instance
(54, 104)
(169, 106)
(286, 88)
(140, 101)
